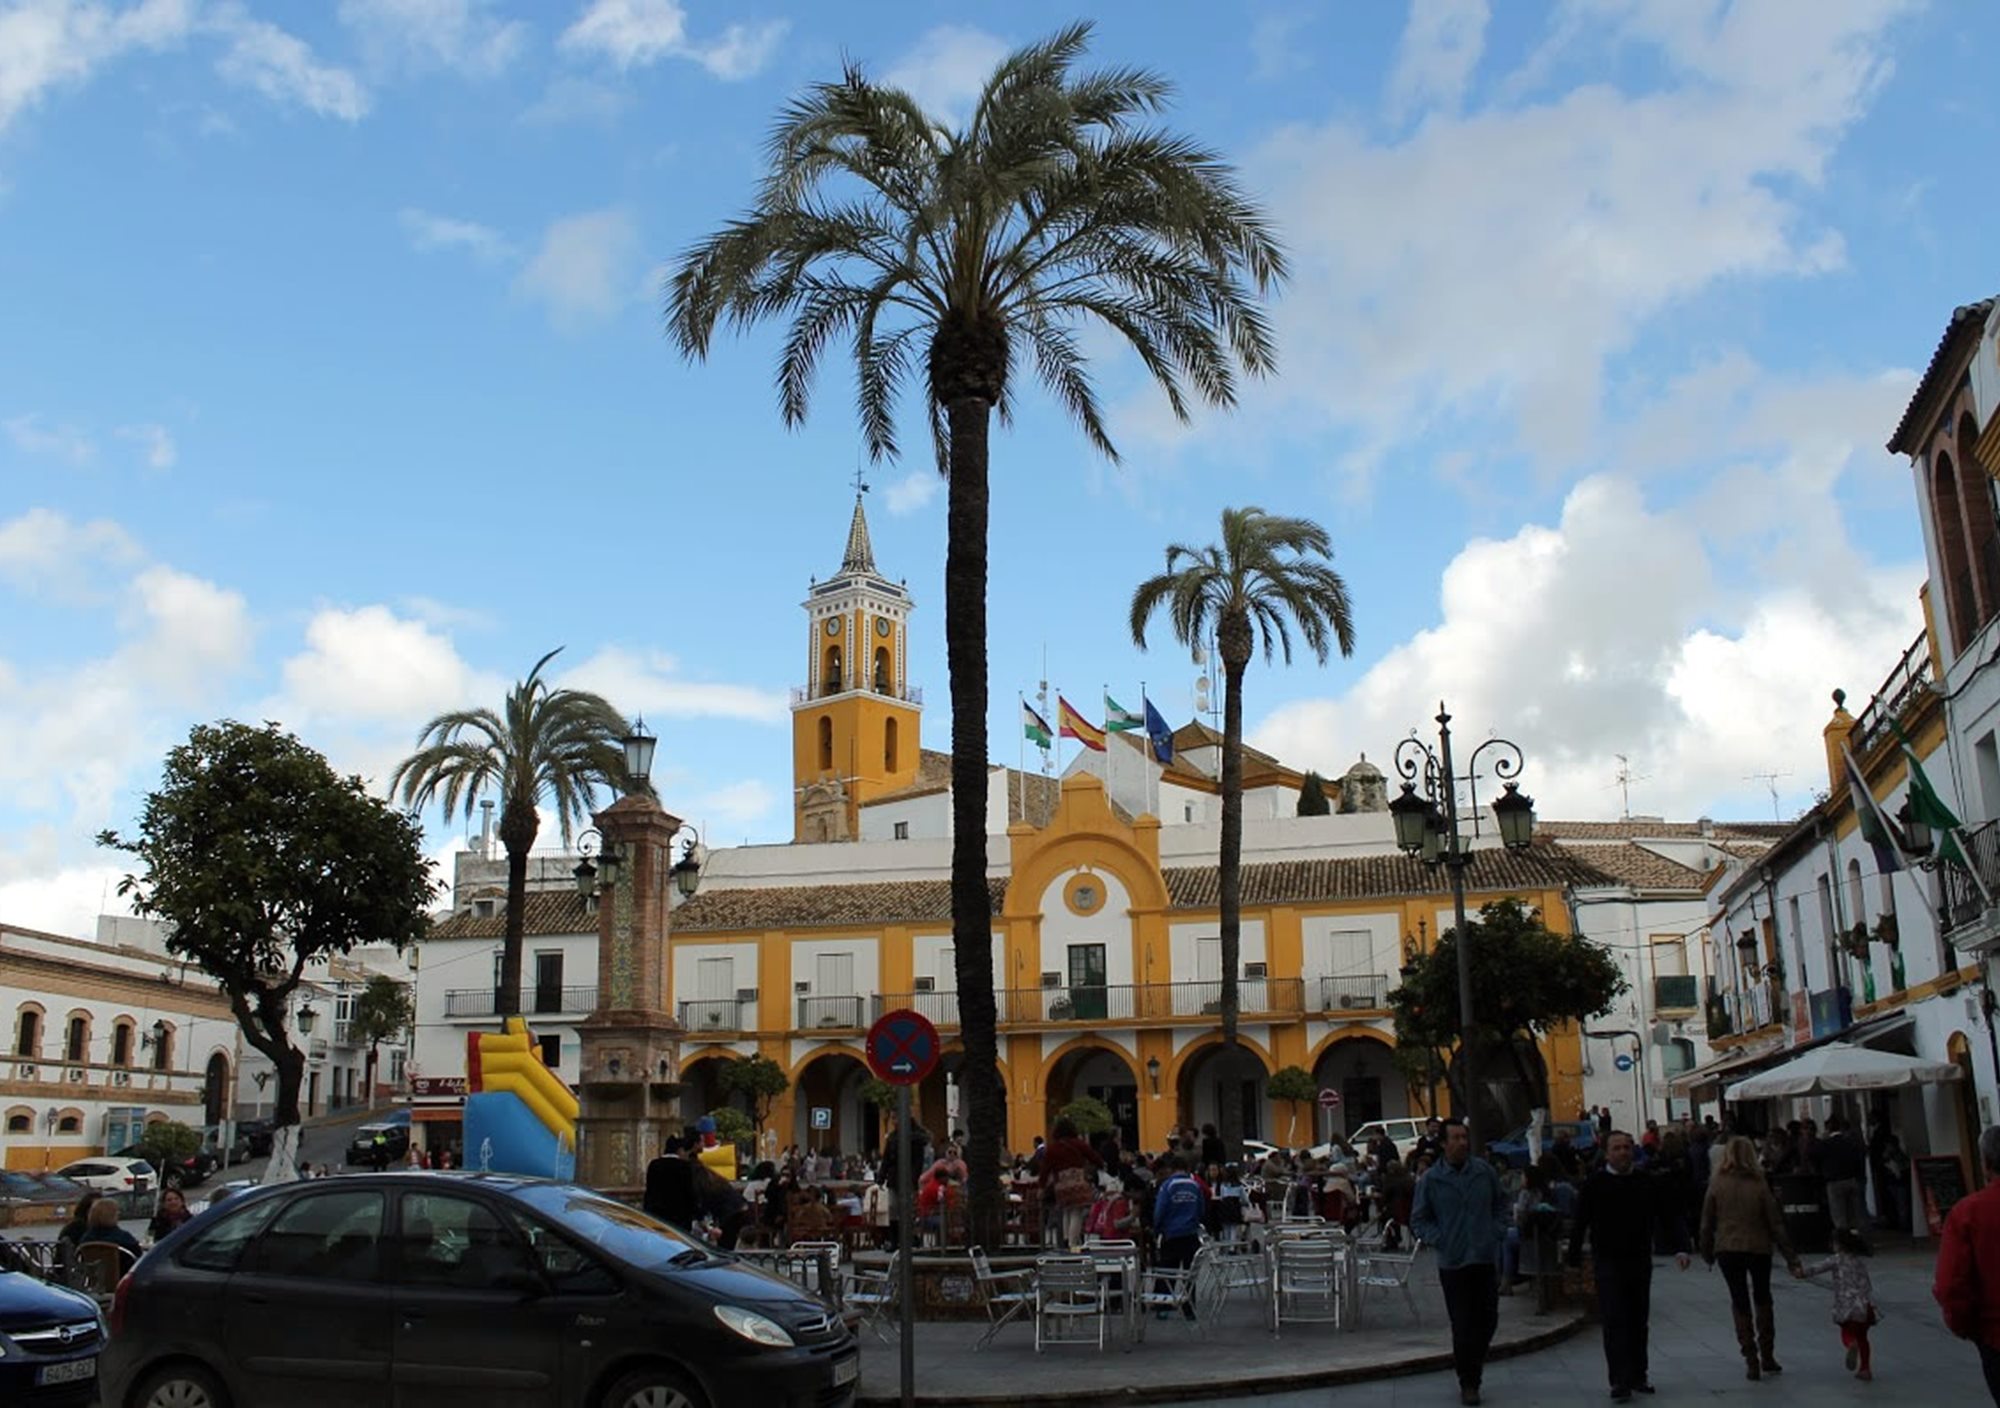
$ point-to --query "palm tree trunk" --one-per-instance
(518, 825)
(971, 909)
(1235, 656)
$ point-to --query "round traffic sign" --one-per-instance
(1622, 1061)
(902, 1047)
(1329, 1099)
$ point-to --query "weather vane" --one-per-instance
(860, 483)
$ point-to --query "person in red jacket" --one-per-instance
(1968, 1266)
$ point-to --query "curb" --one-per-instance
(1182, 1392)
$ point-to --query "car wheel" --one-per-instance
(181, 1386)
(654, 1386)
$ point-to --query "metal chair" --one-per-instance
(1067, 1294)
(870, 1296)
(1386, 1271)
(1008, 1294)
(1305, 1282)
(1179, 1291)
(1239, 1268)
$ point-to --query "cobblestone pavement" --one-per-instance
(1694, 1355)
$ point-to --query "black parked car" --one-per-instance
(186, 1171)
(460, 1291)
(49, 1342)
(254, 1137)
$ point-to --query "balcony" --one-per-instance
(1964, 907)
(1354, 992)
(717, 1014)
(940, 1007)
(1030, 1007)
(1676, 993)
(535, 1002)
(1907, 686)
(828, 689)
(835, 1013)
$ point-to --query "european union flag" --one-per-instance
(1158, 734)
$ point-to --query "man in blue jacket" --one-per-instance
(1178, 1210)
(1461, 1212)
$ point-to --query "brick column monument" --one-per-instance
(631, 1058)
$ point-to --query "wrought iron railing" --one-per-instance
(715, 1014)
(1907, 684)
(822, 1013)
(940, 1007)
(1354, 992)
(544, 1002)
(1963, 901)
(1675, 992)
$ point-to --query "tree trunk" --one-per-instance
(518, 826)
(1234, 644)
(971, 907)
(369, 1074)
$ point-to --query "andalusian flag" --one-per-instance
(1035, 726)
(1120, 720)
(1876, 829)
(1075, 726)
(1929, 808)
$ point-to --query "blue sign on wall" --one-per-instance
(1832, 1011)
(1622, 1061)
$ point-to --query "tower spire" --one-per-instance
(860, 554)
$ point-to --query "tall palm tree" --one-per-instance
(562, 744)
(948, 255)
(1266, 577)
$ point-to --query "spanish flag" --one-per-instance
(1074, 726)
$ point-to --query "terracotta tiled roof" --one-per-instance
(547, 912)
(1967, 322)
(933, 775)
(1640, 828)
(1636, 866)
(1032, 798)
(823, 906)
(1543, 866)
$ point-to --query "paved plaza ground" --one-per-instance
(1693, 1354)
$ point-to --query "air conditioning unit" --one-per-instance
(1051, 980)
(121, 1077)
(1253, 971)
(746, 994)
(802, 989)
(27, 1070)
(75, 1075)
(924, 984)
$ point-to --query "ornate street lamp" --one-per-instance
(1426, 817)
(639, 745)
(1153, 1072)
(687, 870)
(308, 1017)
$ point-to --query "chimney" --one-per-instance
(486, 830)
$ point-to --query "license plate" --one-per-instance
(846, 1371)
(68, 1373)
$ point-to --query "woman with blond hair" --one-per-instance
(1740, 1227)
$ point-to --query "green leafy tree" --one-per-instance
(1526, 982)
(1089, 1114)
(384, 1010)
(164, 1143)
(758, 1079)
(879, 1093)
(952, 257)
(1293, 1085)
(1312, 797)
(262, 860)
(732, 1126)
(1267, 577)
(558, 744)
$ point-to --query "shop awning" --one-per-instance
(1722, 1068)
(437, 1114)
(1841, 1066)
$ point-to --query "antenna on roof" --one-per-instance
(1623, 782)
(1770, 781)
(860, 483)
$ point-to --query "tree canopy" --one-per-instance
(1312, 796)
(262, 860)
(759, 1078)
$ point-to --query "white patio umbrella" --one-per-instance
(1838, 1066)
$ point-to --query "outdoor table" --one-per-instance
(1121, 1264)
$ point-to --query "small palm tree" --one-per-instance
(951, 257)
(562, 744)
(1266, 577)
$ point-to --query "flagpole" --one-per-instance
(1021, 772)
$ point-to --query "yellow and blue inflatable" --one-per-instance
(520, 1117)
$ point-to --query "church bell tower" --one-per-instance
(855, 722)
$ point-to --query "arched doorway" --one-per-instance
(1510, 1085)
(1199, 1089)
(832, 1081)
(1365, 1077)
(1102, 1074)
(702, 1092)
(215, 1090)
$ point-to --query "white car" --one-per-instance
(111, 1174)
(1405, 1133)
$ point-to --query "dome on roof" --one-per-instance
(1363, 789)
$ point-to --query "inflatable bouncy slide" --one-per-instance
(520, 1117)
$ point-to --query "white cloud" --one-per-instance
(45, 554)
(582, 271)
(913, 491)
(282, 67)
(1616, 631)
(648, 682)
(33, 436)
(639, 33)
(155, 442)
(366, 665)
(1441, 46)
(429, 232)
(461, 35)
(744, 805)
(1275, 49)
(576, 100)
(945, 69)
(1533, 238)
(65, 900)
(46, 44)
(189, 632)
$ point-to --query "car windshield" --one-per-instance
(619, 1231)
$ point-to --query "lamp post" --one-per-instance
(1427, 826)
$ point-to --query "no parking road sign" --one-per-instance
(1329, 1099)
(902, 1047)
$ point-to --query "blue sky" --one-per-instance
(332, 388)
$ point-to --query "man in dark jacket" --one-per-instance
(1617, 1212)
(1843, 1163)
(670, 1186)
(1179, 1209)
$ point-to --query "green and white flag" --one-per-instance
(1929, 808)
(1121, 720)
(1035, 726)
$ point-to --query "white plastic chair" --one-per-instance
(1067, 1296)
(1008, 1294)
(1386, 1271)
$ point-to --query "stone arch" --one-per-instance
(1197, 1071)
(1947, 516)
(831, 680)
(831, 1077)
(18, 1119)
(701, 1087)
(931, 1100)
(1975, 501)
(124, 1038)
(882, 680)
(163, 1045)
(1094, 1066)
(1360, 1067)
(69, 1120)
(825, 731)
(29, 1019)
(76, 1035)
(215, 1088)
(889, 741)
(1130, 866)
